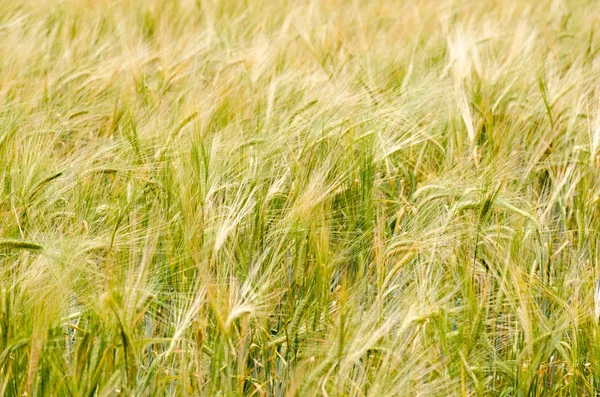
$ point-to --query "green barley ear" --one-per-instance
(36, 189)
(12, 244)
(597, 301)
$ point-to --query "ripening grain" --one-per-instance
(299, 198)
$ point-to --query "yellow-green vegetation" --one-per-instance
(299, 198)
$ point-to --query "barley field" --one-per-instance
(299, 198)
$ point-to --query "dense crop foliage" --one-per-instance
(299, 198)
